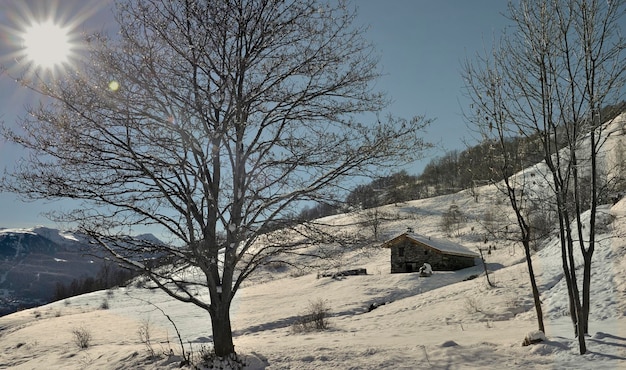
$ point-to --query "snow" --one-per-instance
(9, 231)
(442, 321)
(442, 245)
(450, 320)
(54, 235)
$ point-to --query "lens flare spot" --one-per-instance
(114, 85)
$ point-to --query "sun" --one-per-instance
(47, 44)
(45, 39)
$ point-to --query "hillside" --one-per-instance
(37, 264)
(33, 261)
(451, 320)
(437, 322)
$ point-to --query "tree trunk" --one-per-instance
(586, 292)
(575, 297)
(568, 278)
(588, 254)
(485, 267)
(535, 289)
(222, 332)
(582, 346)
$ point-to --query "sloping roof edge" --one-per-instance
(443, 246)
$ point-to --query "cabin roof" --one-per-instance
(441, 245)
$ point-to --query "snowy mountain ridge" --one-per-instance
(34, 260)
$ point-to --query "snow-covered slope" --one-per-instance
(452, 320)
(443, 321)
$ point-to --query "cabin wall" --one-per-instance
(407, 256)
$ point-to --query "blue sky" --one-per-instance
(422, 44)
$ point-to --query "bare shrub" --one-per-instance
(452, 220)
(541, 221)
(315, 318)
(472, 305)
(82, 337)
(298, 272)
(144, 333)
(276, 266)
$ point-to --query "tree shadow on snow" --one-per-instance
(609, 340)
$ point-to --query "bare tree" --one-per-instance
(211, 121)
(548, 81)
(452, 220)
(493, 123)
(372, 219)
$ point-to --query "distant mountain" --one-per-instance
(33, 262)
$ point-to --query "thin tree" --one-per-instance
(493, 123)
(563, 63)
(212, 122)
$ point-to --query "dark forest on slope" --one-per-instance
(454, 171)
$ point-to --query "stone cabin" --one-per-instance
(409, 251)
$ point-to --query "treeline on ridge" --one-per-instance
(110, 275)
(454, 171)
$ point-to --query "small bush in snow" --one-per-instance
(140, 282)
(144, 332)
(82, 337)
(276, 266)
(472, 305)
(104, 305)
(315, 318)
(298, 272)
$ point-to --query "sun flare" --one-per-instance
(47, 44)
